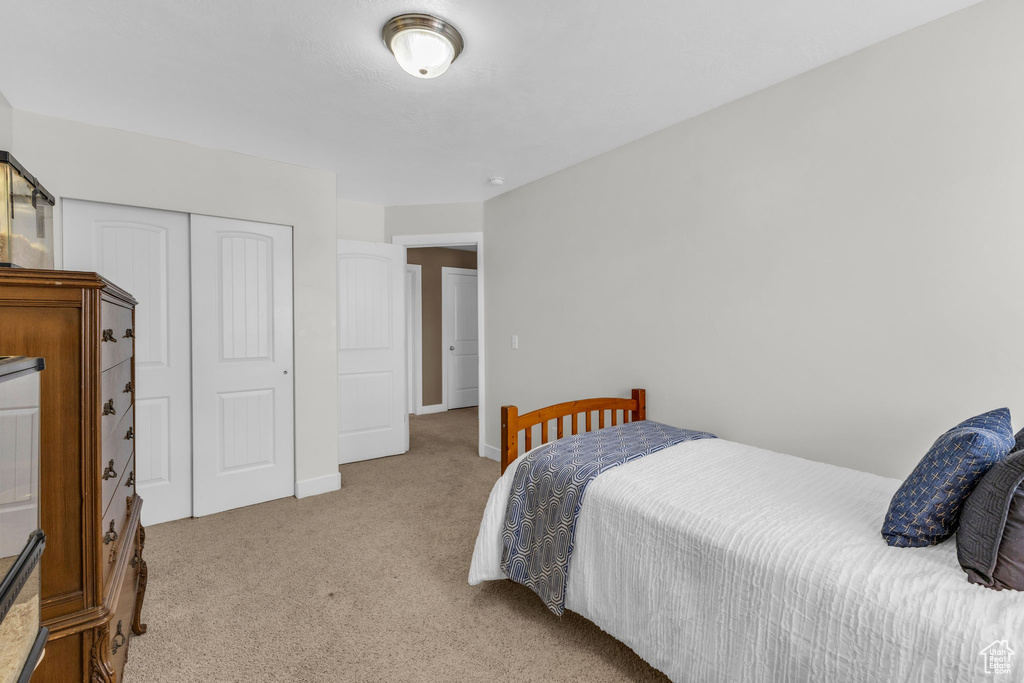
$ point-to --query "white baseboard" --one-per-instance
(491, 452)
(436, 408)
(318, 485)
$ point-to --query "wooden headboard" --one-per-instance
(512, 422)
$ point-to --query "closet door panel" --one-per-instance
(146, 252)
(243, 398)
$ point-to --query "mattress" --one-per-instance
(717, 561)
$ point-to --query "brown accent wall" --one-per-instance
(433, 259)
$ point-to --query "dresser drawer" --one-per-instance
(115, 518)
(120, 635)
(116, 393)
(121, 621)
(117, 455)
(117, 334)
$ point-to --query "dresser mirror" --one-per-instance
(21, 539)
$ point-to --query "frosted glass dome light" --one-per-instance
(424, 46)
(423, 54)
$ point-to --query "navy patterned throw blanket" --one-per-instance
(547, 492)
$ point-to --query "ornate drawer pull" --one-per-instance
(108, 336)
(111, 535)
(108, 408)
(131, 479)
(128, 388)
(136, 559)
(118, 640)
(109, 472)
(130, 434)
(129, 333)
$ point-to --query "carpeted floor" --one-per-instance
(363, 584)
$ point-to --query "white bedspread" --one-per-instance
(716, 561)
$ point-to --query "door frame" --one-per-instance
(414, 337)
(446, 323)
(461, 239)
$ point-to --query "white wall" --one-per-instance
(829, 267)
(428, 219)
(357, 221)
(80, 161)
(6, 125)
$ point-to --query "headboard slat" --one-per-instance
(633, 409)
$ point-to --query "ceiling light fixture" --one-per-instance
(423, 45)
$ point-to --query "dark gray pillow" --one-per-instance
(990, 542)
(1018, 441)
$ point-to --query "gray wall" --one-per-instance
(428, 219)
(6, 125)
(358, 221)
(828, 268)
(80, 161)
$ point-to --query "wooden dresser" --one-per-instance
(93, 574)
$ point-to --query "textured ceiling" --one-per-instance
(542, 84)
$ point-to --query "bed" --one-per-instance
(718, 561)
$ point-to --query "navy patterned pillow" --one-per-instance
(926, 508)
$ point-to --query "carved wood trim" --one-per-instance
(138, 628)
(100, 670)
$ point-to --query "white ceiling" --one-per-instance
(542, 84)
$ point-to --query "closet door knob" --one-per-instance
(108, 408)
(108, 336)
(109, 472)
(451, 348)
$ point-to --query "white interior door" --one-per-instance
(373, 418)
(146, 252)
(460, 338)
(243, 396)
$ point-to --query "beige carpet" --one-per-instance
(363, 584)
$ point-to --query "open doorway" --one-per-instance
(444, 314)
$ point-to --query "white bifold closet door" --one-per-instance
(146, 253)
(214, 396)
(373, 419)
(242, 417)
